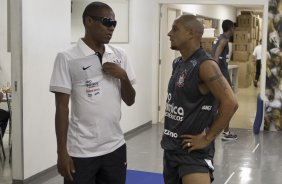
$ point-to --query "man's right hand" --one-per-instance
(65, 166)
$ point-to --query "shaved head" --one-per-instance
(191, 22)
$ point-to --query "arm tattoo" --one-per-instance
(218, 77)
(215, 77)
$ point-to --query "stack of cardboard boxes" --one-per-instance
(246, 37)
(208, 36)
(207, 43)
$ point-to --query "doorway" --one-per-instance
(166, 57)
(247, 109)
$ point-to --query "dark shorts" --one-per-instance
(178, 165)
(105, 169)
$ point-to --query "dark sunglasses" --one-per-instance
(105, 21)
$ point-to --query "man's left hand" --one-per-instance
(195, 142)
(113, 70)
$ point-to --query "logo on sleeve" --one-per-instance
(206, 107)
(85, 68)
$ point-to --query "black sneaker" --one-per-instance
(228, 136)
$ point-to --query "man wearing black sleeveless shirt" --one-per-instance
(192, 118)
(220, 52)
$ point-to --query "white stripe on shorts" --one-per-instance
(209, 164)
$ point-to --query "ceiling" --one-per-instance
(249, 8)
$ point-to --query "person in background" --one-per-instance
(192, 117)
(257, 59)
(4, 117)
(257, 56)
(220, 51)
(95, 77)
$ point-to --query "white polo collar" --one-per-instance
(87, 51)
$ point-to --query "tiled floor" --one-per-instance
(252, 159)
(249, 160)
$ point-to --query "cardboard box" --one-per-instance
(246, 21)
(247, 47)
(209, 32)
(250, 30)
(244, 73)
(208, 39)
(242, 36)
(255, 43)
(207, 43)
(207, 23)
(257, 33)
(241, 56)
(247, 12)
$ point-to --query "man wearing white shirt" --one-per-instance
(96, 77)
(257, 58)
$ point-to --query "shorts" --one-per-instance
(177, 165)
(105, 169)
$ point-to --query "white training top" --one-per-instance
(257, 52)
(94, 127)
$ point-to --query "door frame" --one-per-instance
(249, 3)
(164, 29)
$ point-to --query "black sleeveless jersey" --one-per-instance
(223, 65)
(187, 111)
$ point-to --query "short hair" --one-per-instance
(94, 8)
(191, 21)
(227, 25)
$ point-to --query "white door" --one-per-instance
(166, 56)
(17, 84)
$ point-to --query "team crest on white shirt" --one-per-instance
(180, 82)
(113, 59)
(117, 61)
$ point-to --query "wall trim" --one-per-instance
(39, 177)
(53, 172)
(137, 130)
